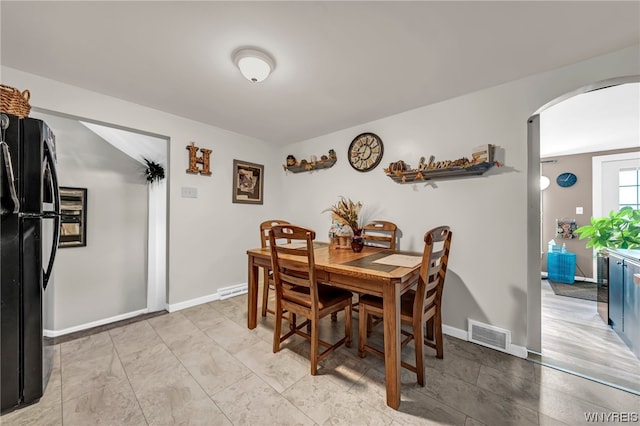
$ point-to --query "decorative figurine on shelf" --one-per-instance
(295, 166)
(422, 164)
(397, 167)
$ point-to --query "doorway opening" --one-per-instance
(551, 316)
(122, 271)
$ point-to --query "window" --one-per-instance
(629, 188)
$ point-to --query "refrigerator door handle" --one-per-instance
(48, 152)
(11, 181)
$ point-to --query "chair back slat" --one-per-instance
(292, 264)
(294, 280)
(380, 233)
(265, 227)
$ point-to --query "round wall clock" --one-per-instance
(365, 152)
(566, 180)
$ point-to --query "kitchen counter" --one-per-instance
(627, 253)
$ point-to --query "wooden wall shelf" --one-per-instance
(308, 167)
(412, 176)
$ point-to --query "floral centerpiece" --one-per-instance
(344, 215)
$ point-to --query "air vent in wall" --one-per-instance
(490, 336)
(227, 292)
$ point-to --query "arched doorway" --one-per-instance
(534, 317)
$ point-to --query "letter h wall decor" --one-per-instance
(202, 161)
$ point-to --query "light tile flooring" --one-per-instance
(202, 366)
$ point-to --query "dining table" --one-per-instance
(376, 271)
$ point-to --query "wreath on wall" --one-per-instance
(154, 171)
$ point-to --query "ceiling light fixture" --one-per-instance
(254, 64)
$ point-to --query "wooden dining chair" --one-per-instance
(298, 291)
(377, 233)
(267, 276)
(419, 306)
(380, 233)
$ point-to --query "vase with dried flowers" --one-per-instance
(345, 225)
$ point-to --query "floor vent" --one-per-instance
(236, 290)
(488, 335)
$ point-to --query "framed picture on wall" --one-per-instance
(565, 229)
(247, 182)
(73, 217)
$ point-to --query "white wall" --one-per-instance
(208, 236)
(487, 280)
(106, 278)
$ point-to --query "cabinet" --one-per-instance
(624, 296)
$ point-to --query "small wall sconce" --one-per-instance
(544, 183)
(254, 64)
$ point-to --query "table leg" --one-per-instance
(252, 304)
(392, 347)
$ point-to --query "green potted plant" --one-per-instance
(618, 230)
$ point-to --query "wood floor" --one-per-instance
(576, 339)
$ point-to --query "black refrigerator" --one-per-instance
(29, 228)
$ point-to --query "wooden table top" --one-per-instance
(345, 261)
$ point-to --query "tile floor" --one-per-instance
(202, 366)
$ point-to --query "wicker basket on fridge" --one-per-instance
(15, 102)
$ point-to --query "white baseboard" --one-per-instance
(193, 302)
(519, 351)
(57, 333)
(455, 332)
(515, 350)
(221, 294)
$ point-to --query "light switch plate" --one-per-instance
(579, 210)
(189, 192)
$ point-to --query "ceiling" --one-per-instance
(338, 64)
(600, 120)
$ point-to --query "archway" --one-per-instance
(534, 318)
